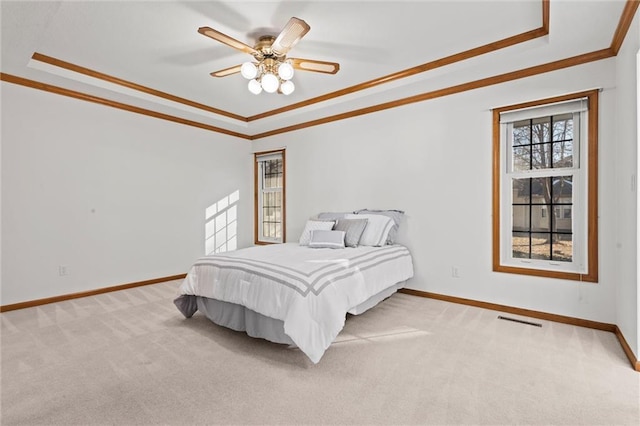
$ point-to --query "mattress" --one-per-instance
(308, 290)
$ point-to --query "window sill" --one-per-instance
(591, 277)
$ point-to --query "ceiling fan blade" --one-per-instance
(229, 41)
(289, 36)
(227, 71)
(315, 66)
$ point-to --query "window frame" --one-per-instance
(588, 154)
(258, 190)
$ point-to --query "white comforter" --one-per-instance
(310, 290)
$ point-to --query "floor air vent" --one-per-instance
(535, 324)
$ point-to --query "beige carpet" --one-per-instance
(130, 357)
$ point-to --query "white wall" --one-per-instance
(114, 197)
(627, 169)
(433, 160)
(117, 197)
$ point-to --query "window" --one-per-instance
(545, 188)
(269, 197)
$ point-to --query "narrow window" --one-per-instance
(269, 197)
(545, 188)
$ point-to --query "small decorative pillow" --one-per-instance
(353, 229)
(377, 229)
(313, 225)
(326, 239)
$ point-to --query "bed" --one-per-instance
(294, 293)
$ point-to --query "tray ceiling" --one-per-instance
(149, 55)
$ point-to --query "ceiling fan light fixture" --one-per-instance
(285, 71)
(287, 87)
(255, 87)
(269, 82)
(249, 70)
(270, 70)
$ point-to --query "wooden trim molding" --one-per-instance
(635, 363)
(464, 87)
(628, 13)
(542, 31)
(118, 105)
(64, 297)
(612, 328)
(621, 32)
(115, 80)
(514, 310)
(438, 63)
(256, 195)
(592, 191)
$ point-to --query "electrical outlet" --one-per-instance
(455, 272)
(63, 270)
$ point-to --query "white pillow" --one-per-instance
(313, 225)
(327, 239)
(376, 231)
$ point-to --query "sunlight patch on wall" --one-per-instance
(221, 225)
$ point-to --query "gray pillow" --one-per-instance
(396, 215)
(326, 239)
(332, 215)
(353, 229)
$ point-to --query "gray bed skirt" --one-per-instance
(240, 318)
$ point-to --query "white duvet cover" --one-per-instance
(309, 289)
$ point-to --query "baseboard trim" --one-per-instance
(635, 363)
(38, 302)
(612, 328)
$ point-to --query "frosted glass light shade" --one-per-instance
(287, 87)
(255, 87)
(285, 71)
(248, 70)
(270, 83)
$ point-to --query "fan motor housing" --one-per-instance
(264, 47)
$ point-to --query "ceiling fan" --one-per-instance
(271, 70)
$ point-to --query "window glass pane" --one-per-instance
(540, 130)
(541, 246)
(541, 156)
(522, 133)
(562, 127)
(521, 149)
(562, 154)
(563, 140)
(521, 157)
(562, 247)
(562, 190)
(272, 173)
(521, 190)
(520, 245)
(520, 218)
(539, 221)
(563, 221)
(541, 190)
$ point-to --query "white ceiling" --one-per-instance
(156, 44)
